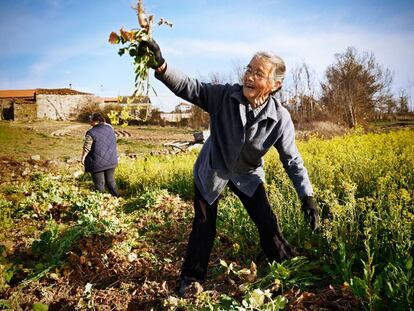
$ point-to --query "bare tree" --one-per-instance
(403, 105)
(199, 118)
(218, 78)
(356, 87)
(302, 92)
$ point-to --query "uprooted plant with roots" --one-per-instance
(131, 40)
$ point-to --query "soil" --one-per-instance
(120, 281)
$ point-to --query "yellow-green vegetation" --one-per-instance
(172, 172)
(126, 253)
(364, 186)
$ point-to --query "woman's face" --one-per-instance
(258, 82)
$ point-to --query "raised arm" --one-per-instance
(205, 95)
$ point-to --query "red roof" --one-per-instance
(17, 93)
(31, 93)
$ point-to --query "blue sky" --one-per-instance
(54, 43)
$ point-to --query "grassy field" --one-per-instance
(65, 247)
(57, 140)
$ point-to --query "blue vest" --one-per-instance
(103, 154)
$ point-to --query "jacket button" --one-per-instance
(238, 183)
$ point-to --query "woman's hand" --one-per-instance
(310, 211)
(157, 61)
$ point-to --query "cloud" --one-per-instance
(209, 48)
(54, 56)
(392, 50)
(60, 63)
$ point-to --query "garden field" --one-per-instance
(65, 247)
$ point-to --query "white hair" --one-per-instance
(277, 63)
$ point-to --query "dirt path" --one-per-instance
(67, 131)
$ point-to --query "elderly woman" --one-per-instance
(99, 154)
(246, 121)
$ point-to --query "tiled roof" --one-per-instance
(60, 92)
(31, 93)
(17, 93)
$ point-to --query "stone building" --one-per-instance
(181, 112)
(53, 104)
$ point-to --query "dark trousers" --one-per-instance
(100, 179)
(203, 232)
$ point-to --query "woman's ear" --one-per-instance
(276, 85)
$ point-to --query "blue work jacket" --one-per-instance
(234, 151)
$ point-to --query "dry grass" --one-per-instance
(324, 129)
(62, 140)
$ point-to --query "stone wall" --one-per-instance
(174, 116)
(25, 111)
(61, 107)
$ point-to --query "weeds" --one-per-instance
(363, 187)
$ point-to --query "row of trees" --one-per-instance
(355, 89)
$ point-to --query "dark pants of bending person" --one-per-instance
(100, 179)
(202, 236)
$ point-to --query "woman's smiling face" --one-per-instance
(258, 82)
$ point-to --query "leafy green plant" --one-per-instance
(260, 292)
(56, 240)
(297, 272)
(397, 284)
(237, 230)
(6, 211)
(262, 300)
(146, 199)
(40, 307)
(342, 264)
(132, 38)
(366, 288)
(6, 269)
(173, 173)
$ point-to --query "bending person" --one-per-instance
(99, 155)
(245, 122)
